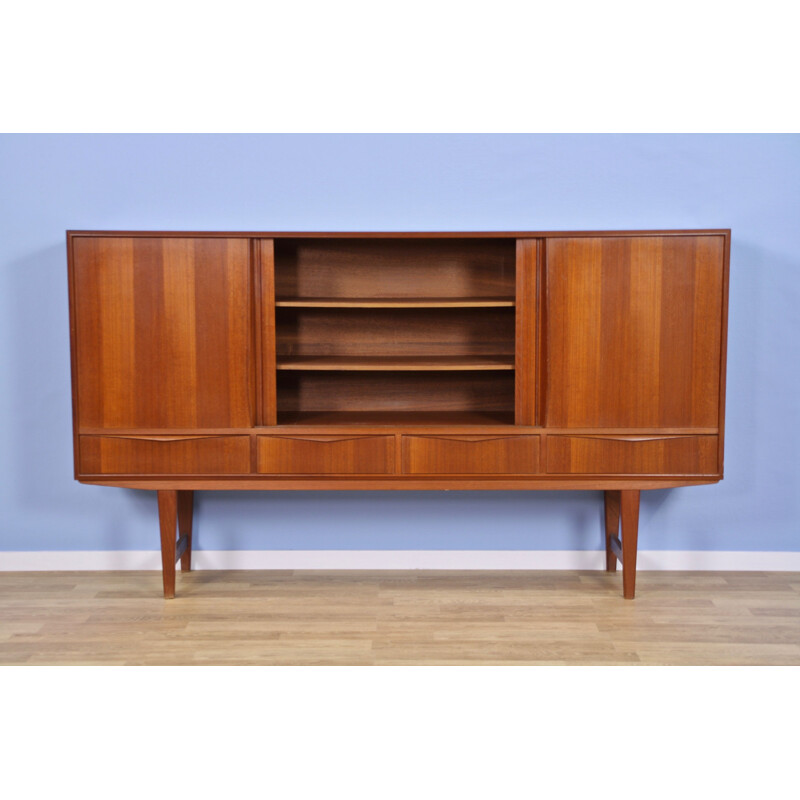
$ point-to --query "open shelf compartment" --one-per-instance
(395, 331)
(413, 270)
(395, 398)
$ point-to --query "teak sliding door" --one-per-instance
(633, 331)
(162, 332)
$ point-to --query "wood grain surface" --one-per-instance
(264, 335)
(634, 327)
(397, 302)
(632, 455)
(397, 363)
(520, 617)
(481, 454)
(165, 455)
(526, 333)
(395, 332)
(162, 332)
(489, 392)
(289, 235)
(207, 345)
(337, 454)
(397, 268)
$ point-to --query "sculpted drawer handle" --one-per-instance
(322, 439)
(161, 438)
(632, 439)
(468, 438)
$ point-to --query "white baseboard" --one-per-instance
(712, 560)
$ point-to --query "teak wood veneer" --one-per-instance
(516, 360)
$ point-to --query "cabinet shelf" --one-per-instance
(396, 364)
(399, 418)
(394, 302)
(393, 331)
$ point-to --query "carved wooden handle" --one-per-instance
(325, 439)
(160, 438)
(467, 437)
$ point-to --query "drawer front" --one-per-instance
(325, 455)
(632, 455)
(470, 455)
(165, 455)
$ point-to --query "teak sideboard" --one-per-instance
(554, 360)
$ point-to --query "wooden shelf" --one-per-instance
(394, 302)
(398, 332)
(396, 363)
(397, 418)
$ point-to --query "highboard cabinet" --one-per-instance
(580, 360)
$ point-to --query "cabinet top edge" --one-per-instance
(399, 234)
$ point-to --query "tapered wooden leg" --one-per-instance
(168, 521)
(629, 511)
(612, 527)
(185, 508)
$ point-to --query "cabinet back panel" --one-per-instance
(387, 391)
(162, 332)
(633, 331)
(394, 267)
(369, 332)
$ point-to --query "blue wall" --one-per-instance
(49, 183)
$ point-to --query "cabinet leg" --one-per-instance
(612, 527)
(168, 522)
(185, 508)
(629, 508)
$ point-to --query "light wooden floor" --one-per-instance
(383, 617)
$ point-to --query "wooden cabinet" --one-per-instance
(398, 361)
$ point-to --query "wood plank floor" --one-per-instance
(410, 617)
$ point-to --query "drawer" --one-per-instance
(470, 455)
(165, 455)
(325, 455)
(632, 455)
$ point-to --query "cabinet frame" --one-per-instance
(526, 410)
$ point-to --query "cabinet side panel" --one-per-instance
(724, 350)
(633, 331)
